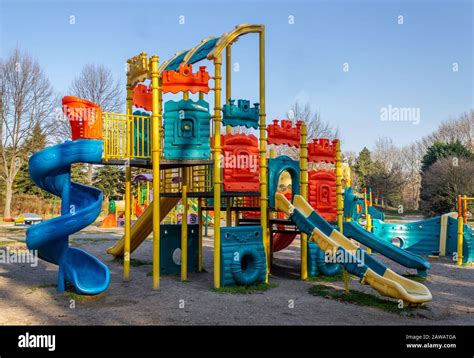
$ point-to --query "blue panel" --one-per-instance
(397, 254)
(236, 241)
(203, 51)
(419, 237)
(170, 241)
(350, 204)
(376, 214)
(316, 262)
(241, 114)
(187, 130)
(452, 240)
(174, 65)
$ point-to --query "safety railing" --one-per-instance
(116, 129)
(201, 179)
(198, 179)
(171, 180)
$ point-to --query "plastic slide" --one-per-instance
(143, 226)
(109, 221)
(138, 210)
(50, 169)
(282, 241)
(354, 231)
(354, 259)
(376, 214)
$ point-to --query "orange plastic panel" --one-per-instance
(322, 150)
(240, 162)
(141, 97)
(85, 118)
(284, 133)
(185, 80)
(322, 193)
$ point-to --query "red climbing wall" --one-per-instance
(240, 162)
(322, 193)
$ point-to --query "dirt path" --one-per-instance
(28, 294)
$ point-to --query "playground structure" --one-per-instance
(445, 235)
(116, 209)
(224, 173)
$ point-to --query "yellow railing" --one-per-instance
(116, 127)
(198, 179)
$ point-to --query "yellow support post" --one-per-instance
(147, 199)
(340, 205)
(184, 231)
(465, 199)
(345, 277)
(228, 129)
(304, 194)
(200, 234)
(263, 152)
(128, 186)
(368, 219)
(156, 155)
(217, 171)
(339, 193)
(460, 230)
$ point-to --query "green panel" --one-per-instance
(170, 241)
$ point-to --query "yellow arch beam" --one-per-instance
(230, 37)
(195, 49)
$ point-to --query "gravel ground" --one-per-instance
(28, 295)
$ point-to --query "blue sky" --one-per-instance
(408, 65)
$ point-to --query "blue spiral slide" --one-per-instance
(50, 169)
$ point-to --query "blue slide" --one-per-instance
(354, 231)
(50, 169)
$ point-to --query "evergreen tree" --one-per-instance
(110, 179)
(364, 167)
(79, 173)
(23, 183)
(443, 150)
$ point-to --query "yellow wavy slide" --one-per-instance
(143, 226)
(370, 270)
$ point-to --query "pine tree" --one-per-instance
(364, 167)
(109, 179)
(443, 150)
(23, 183)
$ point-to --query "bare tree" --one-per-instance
(412, 155)
(316, 127)
(97, 84)
(26, 101)
(387, 154)
(461, 128)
